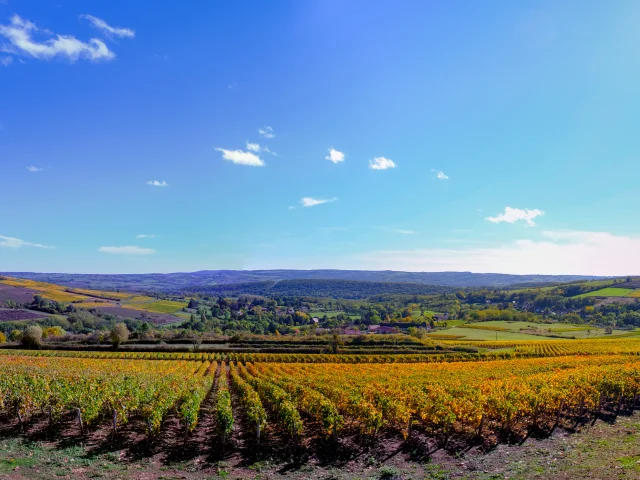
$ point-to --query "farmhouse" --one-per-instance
(439, 317)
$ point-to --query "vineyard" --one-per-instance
(307, 401)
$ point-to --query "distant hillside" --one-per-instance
(350, 289)
(178, 282)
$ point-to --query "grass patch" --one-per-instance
(10, 464)
(607, 292)
(629, 463)
(158, 306)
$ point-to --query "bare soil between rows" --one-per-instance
(548, 453)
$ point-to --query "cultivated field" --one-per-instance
(117, 303)
(306, 412)
(607, 292)
(506, 330)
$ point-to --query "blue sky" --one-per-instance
(197, 135)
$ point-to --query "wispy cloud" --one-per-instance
(12, 242)
(256, 147)
(312, 202)
(6, 61)
(335, 156)
(156, 183)
(381, 163)
(512, 215)
(400, 231)
(128, 250)
(266, 132)
(440, 175)
(146, 235)
(19, 34)
(33, 169)
(240, 157)
(108, 29)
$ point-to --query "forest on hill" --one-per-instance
(191, 281)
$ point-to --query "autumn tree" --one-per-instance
(32, 337)
(119, 334)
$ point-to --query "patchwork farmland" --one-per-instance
(154, 310)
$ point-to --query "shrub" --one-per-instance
(119, 334)
(15, 335)
(3, 338)
(53, 332)
(32, 337)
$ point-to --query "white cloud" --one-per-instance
(146, 235)
(440, 175)
(256, 147)
(381, 163)
(335, 156)
(19, 35)
(241, 158)
(108, 29)
(129, 250)
(12, 242)
(6, 61)
(266, 132)
(156, 183)
(404, 232)
(512, 215)
(33, 169)
(556, 253)
(312, 202)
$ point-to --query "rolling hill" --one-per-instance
(179, 282)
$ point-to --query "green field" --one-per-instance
(607, 292)
(158, 306)
(475, 334)
(557, 329)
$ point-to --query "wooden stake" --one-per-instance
(80, 421)
(20, 420)
(115, 422)
(481, 426)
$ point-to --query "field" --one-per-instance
(22, 291)
(486, 331)
(311, 416)
(46, 290)
(12, 314)
(607, 292)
